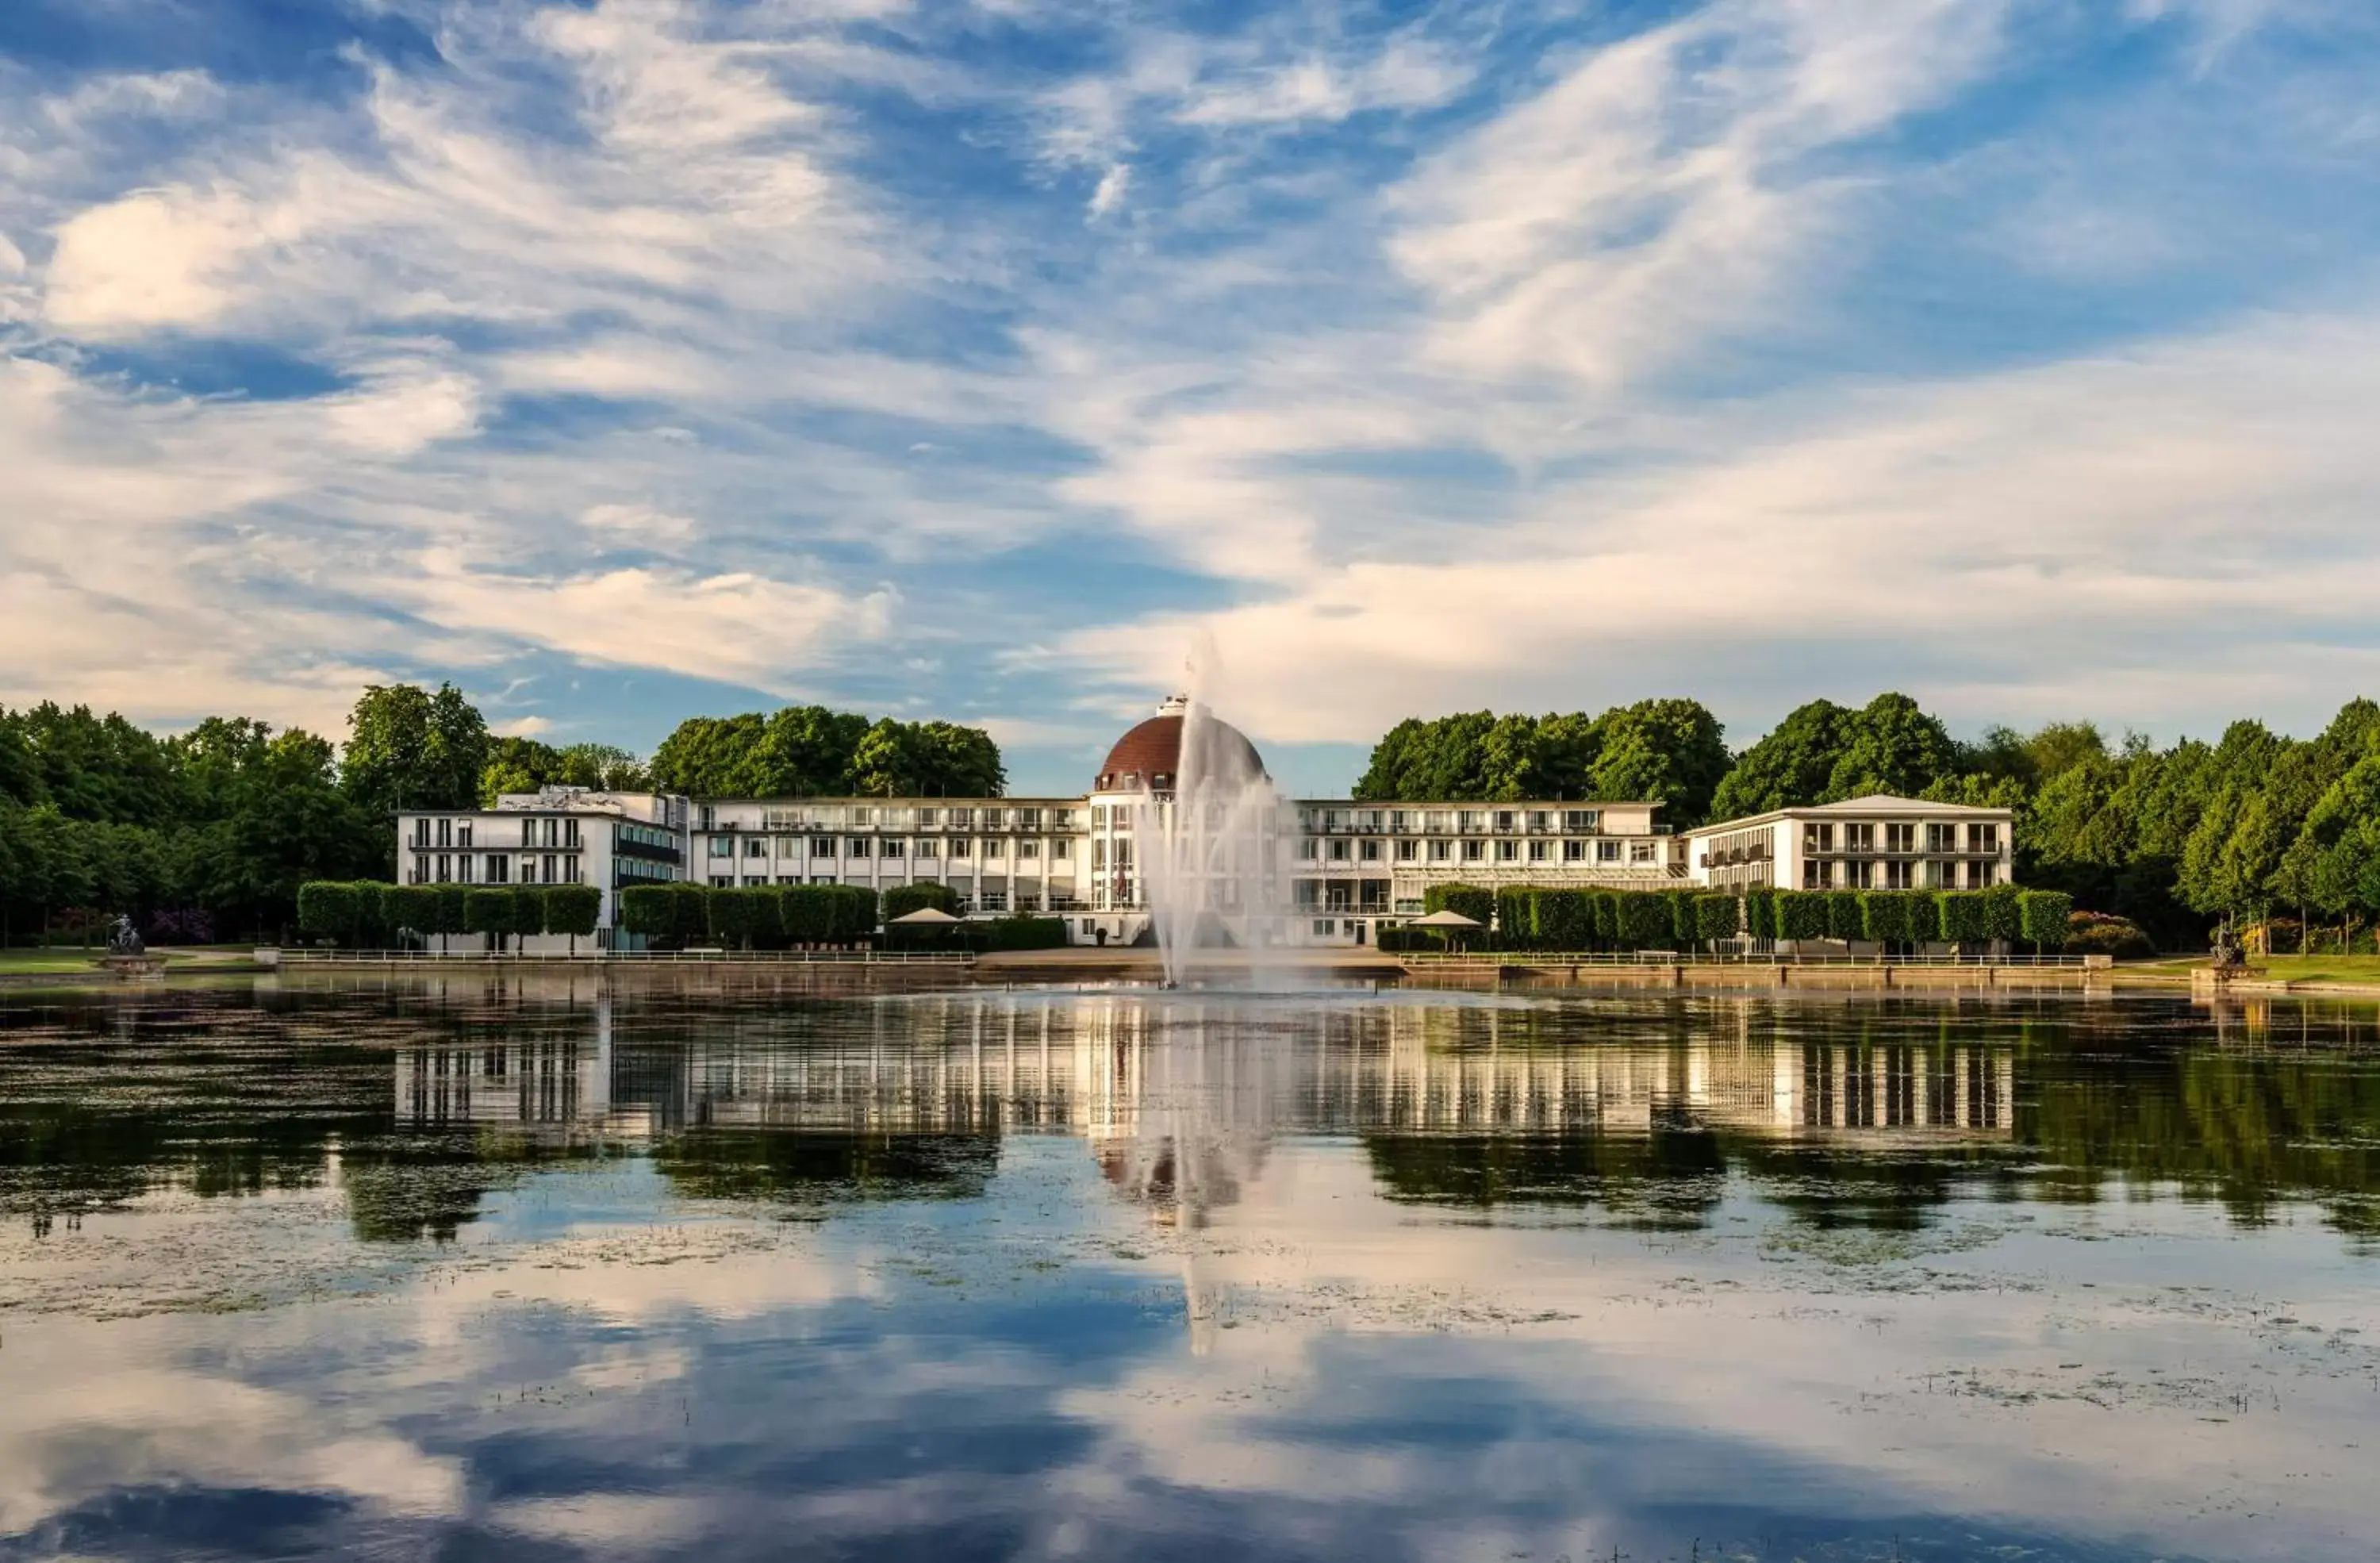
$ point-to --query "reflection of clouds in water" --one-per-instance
(1423, 1325)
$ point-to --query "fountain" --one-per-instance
(1211, 872)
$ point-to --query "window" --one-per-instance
(1582, 821)
(1979, 873)
(1062, 819)
(1401, 820)
(1471, 819)
(961, 819)
(722, 881)
(927, 849)
(1325, 925)
(822, 846)
(1859, 838)
(722, 847)
(1541, 820)
(1942, 875)
(1983, 838)
(445, 833)
(1537, 852)
(1337, 849)
(1370, 851)
(1641, 852)
(445, 870)
(1408, 851)
(1029, 850)
(1900, 838)
(1941, 838)
(1818, 837)
(1028, 819)
(1440, 851)
(962, 847)
(995, 819)
(1606, 851)
(1508, 852)
(1896, 875)
(856, 846)
(1061, 850)
(890, 847)
(1474, 850)
(499, 869)
(862, 817)
(756, 846)
(1306, 849)
(1369, 820)
(1817, 876)
(1860, 875)
(420, 869)
(1507, 820)
(993, 847)
(929, 819)
(463, 834)
(1573, 852)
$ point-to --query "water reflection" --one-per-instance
(574, 1270)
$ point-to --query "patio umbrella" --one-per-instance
(934, 917)
(1454, 923)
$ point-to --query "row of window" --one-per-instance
(1031, 819)
(1637, 853)
(1820, 837)
(1824, 874)
(1454, 821)
(992, 848)
(534, 831)
(982, 901)
(495, 868)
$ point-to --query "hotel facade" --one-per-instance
(1342, 869)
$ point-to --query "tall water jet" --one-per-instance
(1212, 847)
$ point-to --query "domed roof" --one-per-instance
(1149, 757)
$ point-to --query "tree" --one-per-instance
(2043, 917)
(489, 910)
(1802, 915)
(411, 749)
(1716, 917)
(327, 909)
(1889, 746)
(572, 909)
(1789, 769)
(412, 908)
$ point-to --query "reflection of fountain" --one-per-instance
(1210, 845)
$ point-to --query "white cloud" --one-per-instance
(164, 258)
(640, 523)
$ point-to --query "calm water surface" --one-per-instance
(471, 1270)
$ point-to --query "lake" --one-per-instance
(546, 1269)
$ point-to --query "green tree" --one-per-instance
(572, 909)
(1789, 768)
(408, 747)
(490, 909)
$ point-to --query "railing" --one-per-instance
(1721, 958)
(624, 957)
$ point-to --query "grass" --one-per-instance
(63, 958)
(2320, 968)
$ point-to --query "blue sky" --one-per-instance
(622, 361)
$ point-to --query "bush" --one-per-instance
(902, 900)
(1565, 919)
(2003, 914)
(1801, 915)
(1924, 917)
(2043, 917)
(572, 909)
(1716, 917)
(1883, 917)
(2097, 933)
(327, 909)
(450, 908)
(1400, 941)
(648, 911)
(1964, 917)
(1022, 931)
(413, 908)
(1760, 913)
(1477, 904)
(1605, 907)
(491, 911)
(1644, 918)
(728, 914)
(1846, 917)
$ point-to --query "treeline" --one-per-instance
(210, 833)
(810, 751)
(367, 914)
(1533, 919)
(2278, 832)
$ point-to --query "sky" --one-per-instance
(630, 360)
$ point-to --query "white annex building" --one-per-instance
(1349, 867)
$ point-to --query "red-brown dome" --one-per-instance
(1149, 757)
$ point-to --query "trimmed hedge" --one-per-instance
(2042, 916)
(326, 908)
(2003, 914)
(1760, 913)
(1472, 902)
(1846, 917)
(492, 910)
(1643, 919)
(825, 913)
(1801, 915)
(1885, 916)
(741, 915)
(1717, 917)
(1963, 918)
(572, 909)
(1024, 931)
(413, 908)
(902, 900)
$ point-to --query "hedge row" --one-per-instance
(1527, 918)
(750, 917)
(367, 914)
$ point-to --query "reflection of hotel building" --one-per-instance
(1341, 868)
(1146, 1083)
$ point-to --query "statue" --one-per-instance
(2226, 951)
(123, 939)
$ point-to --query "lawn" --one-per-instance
(2320, 968)
(66, 959)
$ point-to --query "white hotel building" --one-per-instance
(1349, 867)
